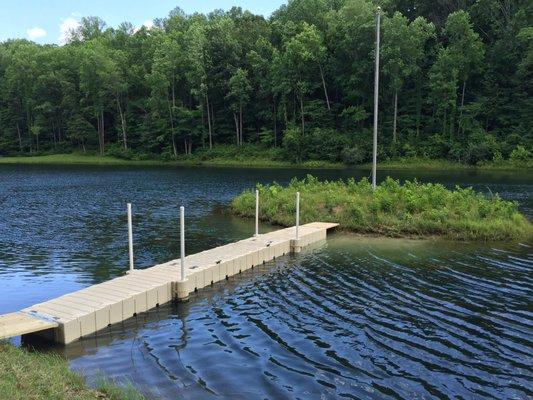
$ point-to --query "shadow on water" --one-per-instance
(355, 317)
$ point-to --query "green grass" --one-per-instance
(39, 376)
(439, 164)
(253, 157)
(74, 158)
(202, 159)
(399, 210)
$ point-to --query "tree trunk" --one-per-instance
(463, 95)
(240, 123)
(302, 114)
(324, 85)
(460, 122)
(173, 91)
(102, 132)
(99, 125)
(444, 123)
(123, 123)
(418, 105)
(28, 125)
(275, 125)
(395, 115)
(20, 137)
(236, 128)
(209, 121)
(172, 135)
(54, 140)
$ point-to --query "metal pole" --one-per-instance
(182, 241)
(376, 92)
(256, 212)
(130, 238)
(297, 215)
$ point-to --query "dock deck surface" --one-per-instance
(78, 314)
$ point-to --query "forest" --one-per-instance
(455, 81)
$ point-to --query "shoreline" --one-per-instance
(400, 164)
(29, 373)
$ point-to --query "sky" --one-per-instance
(47, 21)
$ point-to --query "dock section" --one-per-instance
(75, 315)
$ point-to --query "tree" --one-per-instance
(402, 51)
(239, 95)
(465, 47)
(302, 78)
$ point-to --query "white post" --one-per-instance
(256, 212)
(376, 92)
(297, 215)
(182, 241)
(130, 238)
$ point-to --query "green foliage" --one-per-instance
(520, 155)
(455, 82)
(392, 209)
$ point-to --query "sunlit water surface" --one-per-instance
(348, 318)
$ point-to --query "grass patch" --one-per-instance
(441, 164)
(74, 158)
(39, 376)
(393, 209)
(203, 158)
(251, 156)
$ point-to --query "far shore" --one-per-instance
(399, 164)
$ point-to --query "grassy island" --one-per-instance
(393, 209)
(41, 376)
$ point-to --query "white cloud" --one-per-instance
(67, 25)
(149, 24)
(36, 33)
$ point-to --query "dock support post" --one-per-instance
(182, 292)
(295, 243)
(182, 241)
(256, 213)
(130, 239)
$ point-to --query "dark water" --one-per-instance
(351, 318)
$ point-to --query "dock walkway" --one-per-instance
(75, 315)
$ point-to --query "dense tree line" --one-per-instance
(455, 83)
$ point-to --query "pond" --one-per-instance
(352, 318)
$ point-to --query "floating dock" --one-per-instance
(87, 311)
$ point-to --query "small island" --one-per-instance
(393, 209)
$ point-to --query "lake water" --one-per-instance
(352, 318)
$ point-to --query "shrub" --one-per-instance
(391, 209)
(520, 155)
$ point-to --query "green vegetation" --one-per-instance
(454, 85)
(230, 156)
(393, 209)
(254, 156)
(38, 376)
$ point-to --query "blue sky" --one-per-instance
(44, 21)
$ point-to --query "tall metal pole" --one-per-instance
(376, 92)
(130, 238)
(297, 215)
(182, 241)
(256, 212)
